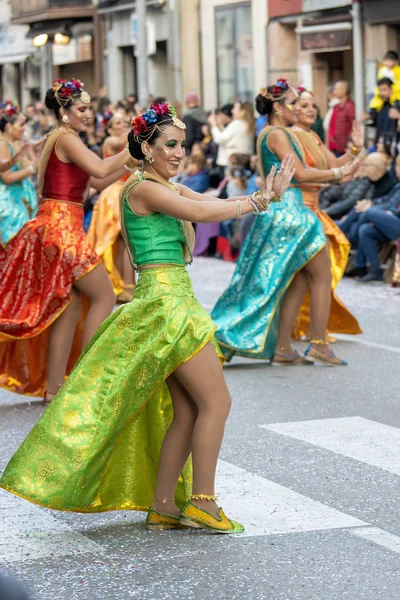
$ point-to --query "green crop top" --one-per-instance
(154, 238)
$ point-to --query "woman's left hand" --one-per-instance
(284, 176)
(357, 134)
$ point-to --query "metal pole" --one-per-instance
(174, 43)
(358, 59)
(142, 61)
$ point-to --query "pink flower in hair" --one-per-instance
(161, 109)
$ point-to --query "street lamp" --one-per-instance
(57, 38)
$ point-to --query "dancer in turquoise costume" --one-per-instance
(284, 253)
(18, 200)
(149, 388)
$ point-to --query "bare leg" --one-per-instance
(203, 379)
(97, 287)
(175, 449)
(127, 272)
(319, 272)
(61, 338)
(289, 311)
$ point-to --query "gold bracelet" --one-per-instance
(276, 199)
(355, 150)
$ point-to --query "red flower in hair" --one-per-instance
(139, 125)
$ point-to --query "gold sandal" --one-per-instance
(289, 360)
(326, 358)
(193, 516)
(156, 521)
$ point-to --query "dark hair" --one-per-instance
(385, 81)
(5, 120)
(159, 100)
(52, 104)
(264, 105)
(391, 55)
(199, 160)
(135, 148)
(226, 109)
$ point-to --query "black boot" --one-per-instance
(357, 272)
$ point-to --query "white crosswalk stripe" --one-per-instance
(355, 437)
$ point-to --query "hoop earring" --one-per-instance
(65, 119)
(149, 157)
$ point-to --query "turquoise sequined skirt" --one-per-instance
(280, 243)
(18, 204)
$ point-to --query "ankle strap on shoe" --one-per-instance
(203, 497)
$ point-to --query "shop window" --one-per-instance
(235, 71)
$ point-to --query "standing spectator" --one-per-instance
(194, 118)
(238, 136)
(221, 119)
(382, 119)
(342, 119)
(332, 102)
(390, 70)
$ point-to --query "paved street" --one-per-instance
(310, 464)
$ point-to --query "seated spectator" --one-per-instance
(197, 178)
(378, 222)
(376, 182)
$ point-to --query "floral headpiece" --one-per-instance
(157, 114)
(304, 93)
(278, 90)
(64, 89)
(9, 108)
(108, 115)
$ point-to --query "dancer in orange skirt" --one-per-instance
(54, 291)
(105, 228)
(318, 156)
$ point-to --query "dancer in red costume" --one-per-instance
(54, 291)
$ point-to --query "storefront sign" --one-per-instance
(325, 41)
(280, 8)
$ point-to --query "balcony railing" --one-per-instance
(22, 7)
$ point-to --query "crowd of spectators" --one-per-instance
(221, 160)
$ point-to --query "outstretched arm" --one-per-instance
(70, 148)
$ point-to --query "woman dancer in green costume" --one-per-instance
(149, 387)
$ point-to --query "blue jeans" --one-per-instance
(375, 225)
(350, 226)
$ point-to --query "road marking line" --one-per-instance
(379, 536)
(29, 533)
(267, 508)
(369, 442)
(347, 338)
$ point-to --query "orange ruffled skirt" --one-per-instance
(37, 272)
(340, 318)
(104, 231)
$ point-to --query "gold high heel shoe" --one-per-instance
(156, 521)
(196, 517)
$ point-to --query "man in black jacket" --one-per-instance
(194, 118)
(378, 222)
(381, 183)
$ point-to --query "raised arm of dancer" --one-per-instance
(287, 165)
(279, 143)
(70, 148)
(102, 184)
(114, 143)
(357, 137)
(7, 161)
(150, 197)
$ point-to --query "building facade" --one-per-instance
(233, 50)
(74, 21)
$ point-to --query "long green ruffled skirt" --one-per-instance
(97, 445)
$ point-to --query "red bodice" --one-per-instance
(64, 181)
